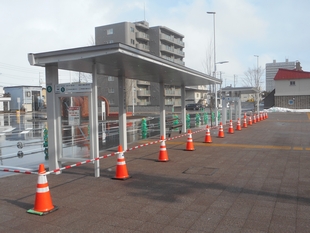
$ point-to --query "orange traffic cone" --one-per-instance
(250, 121)
(43, 201)
(221, 131)
(244, 122)
(189, 144)
(208, 138)
(121, 168)
(230, 129)
(254, 119)
(163, 154)
(266, 115)
(257, 117)
(238, 125)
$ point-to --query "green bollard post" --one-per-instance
(144, 128)
(197, 119)
(45, 142)
(188, 121)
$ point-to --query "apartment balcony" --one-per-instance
(142, 24)
(179, 53)
(145, 83)
(173, 40)
(143, 103)
(166, 38)
(168, 58)
(179, 43)
(179, 62)
(142, 36)
(169, 102)
(143, 47)
(143, 93)
(172, 92)
(167, 49)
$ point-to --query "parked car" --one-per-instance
(194, 106)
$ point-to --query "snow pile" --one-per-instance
(278, 109)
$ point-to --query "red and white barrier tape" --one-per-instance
(17, 171)
(81, 163)
(98, 158)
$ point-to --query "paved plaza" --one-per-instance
(255, 180)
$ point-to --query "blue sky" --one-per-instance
(277, 29)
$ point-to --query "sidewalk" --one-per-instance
(256, 180)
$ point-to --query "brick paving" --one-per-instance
(256, 180)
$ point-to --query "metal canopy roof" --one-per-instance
(243, 90)
(121, 60)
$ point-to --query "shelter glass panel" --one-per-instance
(75, 127)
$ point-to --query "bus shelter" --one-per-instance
(118, 60)
(231, 99)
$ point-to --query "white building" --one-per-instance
(4, 101)
(292, 89)
(24, 97)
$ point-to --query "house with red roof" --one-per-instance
(292, 89)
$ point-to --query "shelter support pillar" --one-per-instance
(122, 112)
(230, 106)
(257, 102)
(53, 119)
(216, 109)
(224, 111)
(239, 108)
(230, 111)
(93, 118)
(183, 110)
(162, 111)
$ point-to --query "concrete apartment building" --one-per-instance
(272, 69)
(159, 41)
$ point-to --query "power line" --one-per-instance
(19, 68)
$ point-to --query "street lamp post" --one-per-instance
(257, 83)
(214, 50)
(214, 73)
(221, 62)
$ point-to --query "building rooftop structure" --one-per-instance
(285, 74)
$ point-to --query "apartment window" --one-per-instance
(110, 31)
(111, 90)
(27, 94)
(111, 78)
(292, 83)
(132, 41)
(132, 29)
(197, 95)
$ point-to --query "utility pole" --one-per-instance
(235, 80)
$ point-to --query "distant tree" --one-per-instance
(253, 78)
(208, 63)
(84, 77)
(92, 40)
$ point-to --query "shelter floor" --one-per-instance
(255, 180)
